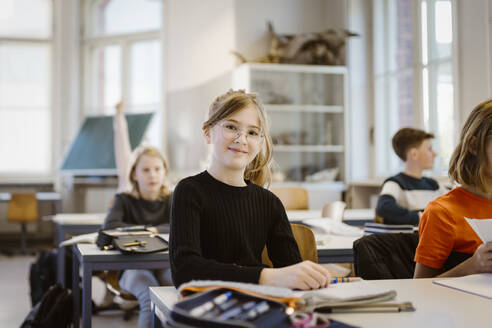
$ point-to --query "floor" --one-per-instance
(16, 303)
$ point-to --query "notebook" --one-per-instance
(336, 295)
(374, 228)
(477, 284)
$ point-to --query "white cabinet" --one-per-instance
(307, 108)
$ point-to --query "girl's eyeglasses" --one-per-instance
(232, 131)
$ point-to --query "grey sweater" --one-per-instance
(128, 210)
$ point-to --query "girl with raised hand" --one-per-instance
(146, 203)
(222, 218)
(448, 246)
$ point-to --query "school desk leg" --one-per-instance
(86, 295)
(76, 292)
(155, 321)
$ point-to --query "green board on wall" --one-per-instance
(92, 153)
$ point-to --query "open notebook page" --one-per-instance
(478, 284)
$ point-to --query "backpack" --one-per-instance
(42, 275)
(55, 310)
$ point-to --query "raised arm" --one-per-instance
(122, 149)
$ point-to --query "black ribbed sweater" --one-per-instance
(218, 231)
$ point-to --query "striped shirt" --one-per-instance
(403, 196)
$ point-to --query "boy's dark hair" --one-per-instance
(407, 138)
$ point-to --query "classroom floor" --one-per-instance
(16, 302)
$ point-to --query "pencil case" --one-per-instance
(131, 242)
(237, 309)
(244, 308)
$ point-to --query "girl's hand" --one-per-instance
(153, 230)
(482, 258)
(305, 275)
(120, 107)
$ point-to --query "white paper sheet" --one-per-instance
(482, 227)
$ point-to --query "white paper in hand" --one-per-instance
(482, 227)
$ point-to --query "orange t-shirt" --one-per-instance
(443, 227)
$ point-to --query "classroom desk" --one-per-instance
(331, 249)
(73, 224)
(46, 197)
(353, 217)
(436, 307)
(89, 258)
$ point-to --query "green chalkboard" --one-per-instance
(92, 151)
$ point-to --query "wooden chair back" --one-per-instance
(23, 207)
(305, 242)
(293, 198)
(334, 210)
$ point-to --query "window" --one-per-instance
(25, 87)
(123, 58)
(413, 76)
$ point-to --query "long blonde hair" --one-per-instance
(149, 151)
(258, 170)
(469, 160)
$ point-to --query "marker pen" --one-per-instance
(337, 280)
(221, 308)
(235, 312)
(259, 309)
(201, 309)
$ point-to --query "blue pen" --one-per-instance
(201, 309)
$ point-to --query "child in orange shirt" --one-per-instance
(448, 246)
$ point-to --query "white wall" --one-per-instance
(474, 73)
(199, 38)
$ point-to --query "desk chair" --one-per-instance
(305, 242)
(23, 208)
(124, 300)
(334, 210)
(293, 198)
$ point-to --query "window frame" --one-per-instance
(417, 71)
(125, 42)
(48, 175)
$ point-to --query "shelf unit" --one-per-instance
(307, 107)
